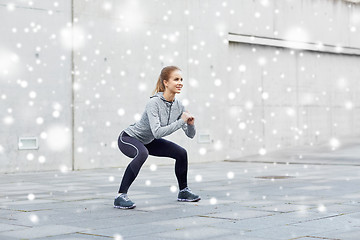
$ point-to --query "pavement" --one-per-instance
(286, 195)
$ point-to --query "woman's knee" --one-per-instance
(182, 153)
(139, 160)
(143, 153)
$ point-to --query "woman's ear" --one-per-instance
(165, 83)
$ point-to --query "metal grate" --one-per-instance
(28, 143)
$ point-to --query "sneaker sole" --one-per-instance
(189, 200)
(120, 207)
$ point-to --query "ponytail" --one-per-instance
(164, 75)
(160, 87)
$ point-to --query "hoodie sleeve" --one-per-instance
(152, 111)
(189, 130)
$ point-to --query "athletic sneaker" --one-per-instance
(123, 202)
(186, 195)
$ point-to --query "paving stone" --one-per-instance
(339, 222)
(40, 231)
(192, 221)
(315, 238)
(128, 230)
(203, 232)
(340, 234)
(9, 227)
(283, 232)
(74, 236)
(238, 215)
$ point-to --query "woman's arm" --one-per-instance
(152, 110)
(189, 128)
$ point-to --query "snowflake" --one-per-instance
(213, 201)
(31, 197)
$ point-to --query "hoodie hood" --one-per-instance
(161, 96)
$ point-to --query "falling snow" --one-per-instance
(198, 178)
(213, 201)
(73, 86)
(34, 218)
(31, 197)
(173, 189)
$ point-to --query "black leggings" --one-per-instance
(133, 148)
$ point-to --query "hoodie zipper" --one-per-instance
(169, 113)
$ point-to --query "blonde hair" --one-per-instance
(164, 75)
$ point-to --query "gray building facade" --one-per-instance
(259, 76)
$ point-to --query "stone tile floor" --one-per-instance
(317, 201)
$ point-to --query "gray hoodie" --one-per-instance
(160, 118)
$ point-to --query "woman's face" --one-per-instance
(174, 83)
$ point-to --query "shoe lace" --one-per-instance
(187, 189)
(125, 196)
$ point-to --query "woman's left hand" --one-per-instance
(191, 120)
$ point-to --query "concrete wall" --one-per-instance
(247, 98)
(35, 85)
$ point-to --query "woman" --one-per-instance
(163, 115)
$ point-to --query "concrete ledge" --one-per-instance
(283, 43)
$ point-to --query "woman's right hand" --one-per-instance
(185, 116)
